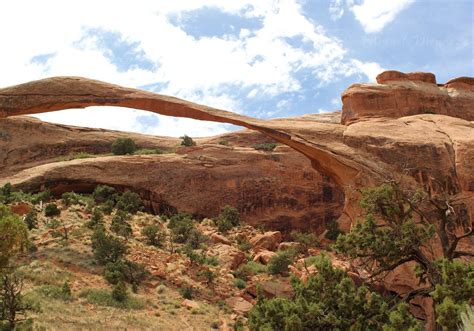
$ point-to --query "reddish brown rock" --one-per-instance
(229, 256)
(399, 95)
(20, 208)
(268, 240)
(271, 289)
(239, 305)
(264, 256)
(217, 238)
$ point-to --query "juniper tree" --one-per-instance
(403, 225)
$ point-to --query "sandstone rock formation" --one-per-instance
(198, 180)
(434, 149)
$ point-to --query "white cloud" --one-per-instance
(336, 9)
(262, 61)
(375, 14)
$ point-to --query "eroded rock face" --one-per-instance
(398, 95)
(363, 154)
(199, 180)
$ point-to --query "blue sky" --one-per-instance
(268, 58)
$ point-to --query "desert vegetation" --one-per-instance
(103, 249)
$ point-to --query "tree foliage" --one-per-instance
(329, 300)
(107, 248)
(402, 225)
(13, 235)
(123, 146)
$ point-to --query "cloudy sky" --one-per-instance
(265, 58)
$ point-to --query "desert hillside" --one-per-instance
(258, 229)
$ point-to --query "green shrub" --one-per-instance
(153, 235)
(243, 243)
(120, 292)
(240, 283)
(103, 297)
(249, 269)
(224, 143)
(208, 275)
(102, 193)
(125, 271)
(329, 300)
(279, 263)
(223, 225)
(130, 202)
(187, 141)
(332, 230)
(144, 151)
(123, 146)
(267, 147)
(107, 207)
(31, 220)
(186, 292)
(41, 196)
(96, 219)
(120, 225)
(107, 248)
(181, 225)
(305, 240)
(56, 292)
(53, 224)
(51, 209)
(71, 198)
(195, 238)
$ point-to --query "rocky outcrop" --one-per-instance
(398, 95)
(393, 139)
(199, 180)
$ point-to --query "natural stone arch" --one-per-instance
(323, 146)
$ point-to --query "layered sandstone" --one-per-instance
(387, 137)
(398, 94)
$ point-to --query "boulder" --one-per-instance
(263, 256)
(268, 240)
(229, 256)
(239, 305)
(217, 238)
(271, 289)
(189, 304)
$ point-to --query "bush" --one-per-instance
(125, 271)
(153, 235)
(224, 143)
(243, 243)
(31, 220)
(306, 240)
(279, 263)
(119, 292)
(208, 275)
(332, 230)
(267, 147)
(130, 202)
(223, 225)
(120, 225)
(71, 198)
(56, 292)
(186, 292)
(103, 297)
(41, 196)
(181, 226)
(107, 248)
(96, 219)
(240, 283)
(123, 146)
(107, 207)
(51, 210)
(328, 300)
(102, 193)
(187, 141)
(231, 214)
(195, 238)
(249, 269)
